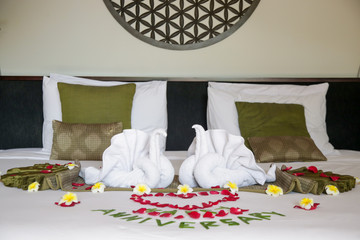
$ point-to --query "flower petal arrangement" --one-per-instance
(141, 189)
(332, 190)
(68, 200)
(307, 204)
(274, 190)
(34, 187)
(98, 187)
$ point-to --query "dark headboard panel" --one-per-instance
(21, 109)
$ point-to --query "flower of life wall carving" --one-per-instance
(181, 24)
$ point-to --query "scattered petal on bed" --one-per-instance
(33, 187)
(323, 175)
(221, 213)
(286, 169)
(208, 215)
(98, 187)
(166, 215)
(179, 217)
(298, 174)
(154, 213)
(141, 211)
(332, 190)
(141, 189)
(334, 178)
(50, 167)
(78, 184)
(232, 186)
(194, 214)
(46, 171)
(313, 169)
(274, 190)
(184, 189)
(237, 211)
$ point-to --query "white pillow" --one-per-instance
(149, 110)
(222, 113)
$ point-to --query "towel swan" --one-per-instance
(217, 157)
(133, 157)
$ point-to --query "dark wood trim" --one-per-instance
(194, 79)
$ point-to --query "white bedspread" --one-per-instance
(25, 215)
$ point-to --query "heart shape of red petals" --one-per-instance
(229, 197)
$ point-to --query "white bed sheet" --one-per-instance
(25, 215)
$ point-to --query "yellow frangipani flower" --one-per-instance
(98, 187)
(69, 198)
(307, 203)
(332, 190)
(141, 189)
(233, 187)
(33, 187)
(71, 166)
(274, 190)
(184, 189)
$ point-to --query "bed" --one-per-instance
(115, 214)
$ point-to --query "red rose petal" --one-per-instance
(334, 178)
(298, 174)
(214, 192)
(312, 208)
(194, 214)
(216, 186)
(154, 213)
(159, 194)
(57, 164)
(171, 194)
(141, 211)
(323, 175)
(78, 184)
(88, 188)
(286, 169)
(237, 211)
(207, 205)
(208, 215)
(313, 169)
(221, 213)
(166, 215)
(225, 192)
(204, 193)
(46, 171)
(49, 167)
(179, 217)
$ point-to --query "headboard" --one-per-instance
(22, 116)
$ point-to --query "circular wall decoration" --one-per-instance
(181, 24)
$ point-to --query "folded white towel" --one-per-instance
(216, 157)
(133, 157)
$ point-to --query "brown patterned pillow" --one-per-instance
(78, 141)
(285, 149)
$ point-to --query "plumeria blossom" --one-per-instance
(232, 186)
(141, 189)
(274, 190)
(98, 187)
(332, 190)
(307, 203)
(184, 189)
(71, 166)
(357, 180)
(34, 187)
(69, 199)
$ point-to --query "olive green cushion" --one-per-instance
(285, 149)
(77, 141)
(270, 119)
(93, 104)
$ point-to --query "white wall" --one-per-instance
(283, 38)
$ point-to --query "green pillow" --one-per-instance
(93, 104)
(270, 119)
(285, 149)
(78, 141)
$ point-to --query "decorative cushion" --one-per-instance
(77, 141)
(285, 149)
(222, 113)
(90, 104)
(271, 119)
(149, 103)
